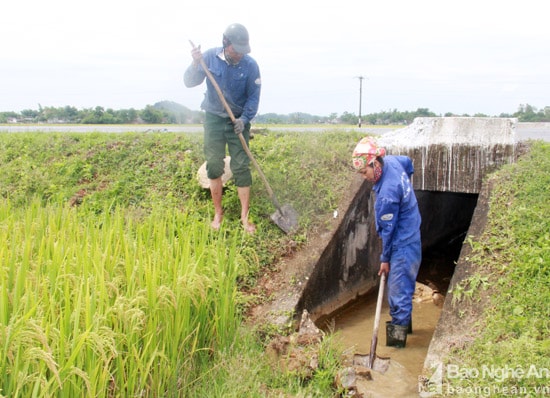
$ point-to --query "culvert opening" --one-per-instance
(347, 269)
(446, 218)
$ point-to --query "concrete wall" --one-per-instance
(454, 154)
(345, 268)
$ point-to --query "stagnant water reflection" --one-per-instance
(355, 325)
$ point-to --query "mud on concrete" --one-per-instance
(283, 285)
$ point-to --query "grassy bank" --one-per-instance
(112, 282)
(511, 354)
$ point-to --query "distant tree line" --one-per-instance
(167, 112)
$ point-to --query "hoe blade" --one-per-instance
(286, 218)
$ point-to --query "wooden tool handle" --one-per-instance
(241, 138)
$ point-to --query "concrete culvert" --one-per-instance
(451, 157)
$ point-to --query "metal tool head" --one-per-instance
(286, 218)
(379, 364)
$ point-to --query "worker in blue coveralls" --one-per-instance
(398, 225)
(238, 76)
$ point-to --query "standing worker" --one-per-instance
(398, 225)
(238, 77)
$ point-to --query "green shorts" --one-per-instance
(218, 132)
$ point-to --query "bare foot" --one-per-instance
(217, 221)
(249, 227)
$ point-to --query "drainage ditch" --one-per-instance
(446, 219)
(336, 278)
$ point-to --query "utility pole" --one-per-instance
(360, 96)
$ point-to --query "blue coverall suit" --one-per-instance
(241, 86)
(398, 225)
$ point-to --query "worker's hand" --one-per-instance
(196, 54)
(384, 269)
(238, 126)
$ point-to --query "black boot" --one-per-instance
(410, 328)
(396, 335)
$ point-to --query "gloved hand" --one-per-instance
(238, 126)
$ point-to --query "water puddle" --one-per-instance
(355, 324)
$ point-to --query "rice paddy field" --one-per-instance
(112, 283)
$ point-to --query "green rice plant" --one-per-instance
(110, 305)
(111, 281)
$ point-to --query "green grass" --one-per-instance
(514, 256)
(112, 282)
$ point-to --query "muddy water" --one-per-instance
(355, 325)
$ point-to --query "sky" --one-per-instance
(464, 57)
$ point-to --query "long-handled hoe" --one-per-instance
(371, 360)
(285, 217)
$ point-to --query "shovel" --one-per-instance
(372, 361)
(285, 217)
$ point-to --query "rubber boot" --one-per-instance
(410, 328)
(396, 335)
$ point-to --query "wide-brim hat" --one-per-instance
(202, 176)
